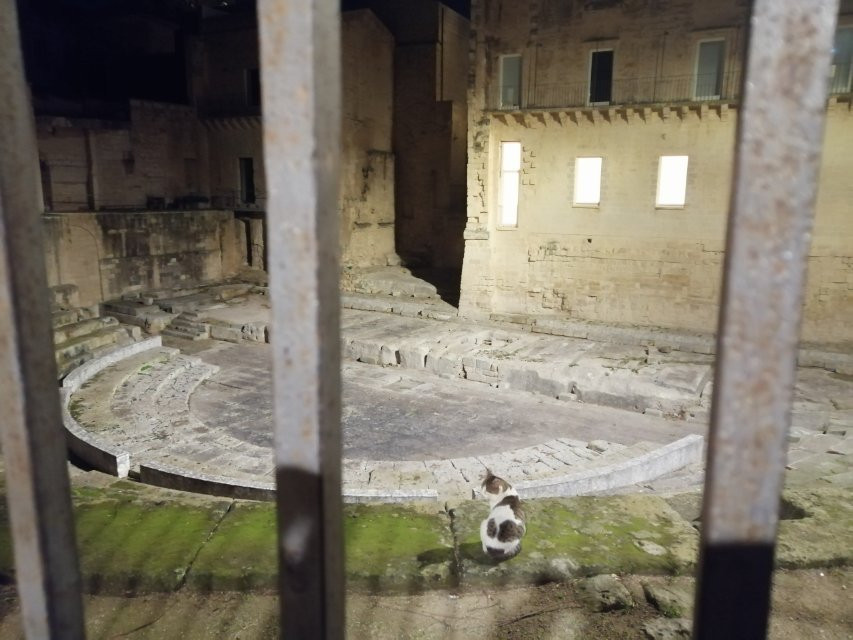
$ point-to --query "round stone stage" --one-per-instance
(201, 418)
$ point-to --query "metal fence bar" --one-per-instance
(780, 132)
(37, 485)
(300, 66)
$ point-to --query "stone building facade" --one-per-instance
(600, 150)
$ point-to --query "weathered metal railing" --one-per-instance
(780, 133)
(300, 59)
(778, 152)
(37, 487)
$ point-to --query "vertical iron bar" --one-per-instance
(780, 132)
(37, 486)
(300, 62)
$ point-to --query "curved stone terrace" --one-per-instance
(429, 403)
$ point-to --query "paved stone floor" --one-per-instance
(398, 414)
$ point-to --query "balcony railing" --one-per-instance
(640, 91)
(629, 91)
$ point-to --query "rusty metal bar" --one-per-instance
(780, 132)
(37, 486)
(300, 67)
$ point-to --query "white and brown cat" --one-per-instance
(502, 530)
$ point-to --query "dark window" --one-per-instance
(46, 185)
(247, 180)
(601, 77)
(253, 87)
(511, 82)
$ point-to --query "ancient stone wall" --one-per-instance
(109, 254)
(430, 119)
(158, 156)
(367, 161)
(625, 260)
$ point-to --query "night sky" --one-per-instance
(107, 51)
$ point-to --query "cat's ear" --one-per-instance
(488, 477)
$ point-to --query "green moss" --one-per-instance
(396, 547)
(822, 538)
(131, 545)
(241, 554)
(584, 536)
(76, 407)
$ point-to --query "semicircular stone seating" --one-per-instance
(141, 405)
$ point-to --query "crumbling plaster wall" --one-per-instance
(110, 254)
(625, 261)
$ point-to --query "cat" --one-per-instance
(502, 530)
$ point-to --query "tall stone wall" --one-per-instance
(430, 119)
(109, 254)
(625, 261)
(367, 160)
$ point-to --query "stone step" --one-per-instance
(74, 352)
(182, 333)
(187, 325)
(72, 347)
(82, 328)
(63, 317)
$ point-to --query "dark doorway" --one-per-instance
(247, 181)
(601, 77)
(46, 185)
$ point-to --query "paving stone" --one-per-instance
(605, 592)
(671, 600)
(667, 629)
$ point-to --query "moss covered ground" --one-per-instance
(137, 539)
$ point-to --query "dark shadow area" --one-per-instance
(446, 280)
(733, 600)
(473, 551)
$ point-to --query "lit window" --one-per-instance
(510, 170)
(672, 181)
(587, 181)
(510, 82)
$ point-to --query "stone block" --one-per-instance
(413, 356)
(226, 333)
(364, 351)
(530, 380)
(670, 599)
(389, 356)
(605, 592)
(668, 629)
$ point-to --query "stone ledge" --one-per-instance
(88, 448)
(643, 468)
(83, 443)
(77, 377)
(358, 496)
(160, 475)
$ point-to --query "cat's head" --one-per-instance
(495, 488)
